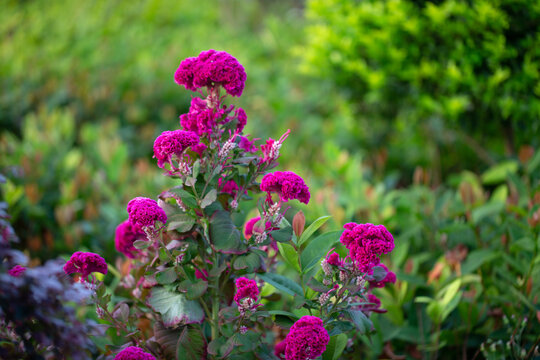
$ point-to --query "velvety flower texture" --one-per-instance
(307, 339)
(389, 278)
(242, 119)
(334, 259)
(230, 187)
(171, 143)
(210, 68)
(247, 145)
(250, 226)
(246, 288)
(365, 243)
(287, 185)
(133, 353)
(126, 234)
(200, 119)
(144, 212)
(85, 263)
(17, 271)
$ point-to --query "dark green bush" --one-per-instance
(439, 84)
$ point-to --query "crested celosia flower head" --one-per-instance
(144, 212)
(229, 187)
(247, 145)
(389, 278)
(246, 288)
(287, 185)
(307, 339)
(242, 119)
(209, 69)
(126, 234)
(201, 119)
(334, 259)
(17, 271)
(85, 263)
(366, 242)
(171, 143)
(133, 353)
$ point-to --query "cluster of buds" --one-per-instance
(324, 297)
(271, 148)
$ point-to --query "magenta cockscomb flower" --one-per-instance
(171, 143)
(287, 185)
(366, 242)
(307, 339)
(126, 234)
(209, 69)
(133, 353)
(240, 114)
(228, 187)
(144, 213)
(17, 271)
(199, 149)
(389, 278)
(85, 263)
(246, 288)
(247, 145)
(201, 119)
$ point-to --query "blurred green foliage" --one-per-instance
(433, 83)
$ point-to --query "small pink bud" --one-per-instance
(299, 223)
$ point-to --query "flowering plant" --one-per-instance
(201, 283)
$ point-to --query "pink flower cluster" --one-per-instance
(307, 339)
(287, 185)
(366, 242)
(246, 288)
(133, 353)
(389, 278)
(17, 271)
(126, 234)
(230, 187)
(85, 263)
(144, 212)
(209, 69)
(200, 119)
(171, 143)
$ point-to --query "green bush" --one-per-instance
(438, 84)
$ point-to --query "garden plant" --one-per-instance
(196, 279)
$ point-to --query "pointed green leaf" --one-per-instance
(360, 320)
(282, 235)
(141, 244)
(312, 228)
(191, 345)
(209, 198)
(289, 254)
(317, 248)
(335, 347)
(250, 262)
(282, 283)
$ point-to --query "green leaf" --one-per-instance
(167, 276)
(312, 228)
(209, 198)
(250, 262)
(282, 235)
(196, 290)
(180, 222)
(282, 283)
(498, 173)
(166, 338)
(196, 168)
(187, 198)
(284, 313)
(317, 248)
(191, 345)
(360, 320)
(335, 347)
(224, 235)
(289, 254)
(175, 308)
(489, 209)
(477, 258)
(141, 244)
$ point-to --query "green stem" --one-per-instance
(215, 309)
